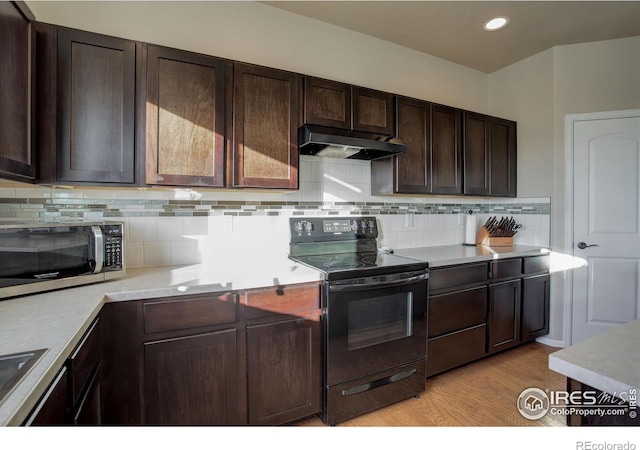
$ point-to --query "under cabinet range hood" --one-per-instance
(347, 144)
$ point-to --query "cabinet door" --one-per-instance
(476, 153)
(446, 150)
(284, 370)
(96, 99)
(53, 407)
(503, 158)
(192, 380)
(413, 169)
(185, 111)
(535, 307)
(17, 64)
(373, 111)
(503, 321)
(327, 103)
(267, 113)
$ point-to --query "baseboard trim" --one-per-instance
(551, 342)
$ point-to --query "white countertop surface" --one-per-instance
(447, 255)
(609, 361)
(57, 320)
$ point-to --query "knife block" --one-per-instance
(483, 238)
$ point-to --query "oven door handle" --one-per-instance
(357, 285)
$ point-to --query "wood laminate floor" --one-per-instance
(483, 393)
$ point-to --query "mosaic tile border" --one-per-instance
(34, 208)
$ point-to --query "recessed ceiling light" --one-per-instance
(496, 23)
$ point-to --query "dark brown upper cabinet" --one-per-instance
(87, 95)
(373, 111)
(267, 107)
(184, 108)
(409, 173)
(334, 104)
(503, 158)
(489, 155)
(17, 87)
(446, 150)
(477, 146)
(327, 103)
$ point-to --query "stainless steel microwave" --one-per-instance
(36, 257)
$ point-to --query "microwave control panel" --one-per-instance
(113, 247)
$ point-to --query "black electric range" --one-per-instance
(374, 317)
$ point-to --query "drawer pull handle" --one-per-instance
(378, 383)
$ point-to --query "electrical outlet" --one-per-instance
(408, 220)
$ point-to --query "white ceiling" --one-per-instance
(452, 30)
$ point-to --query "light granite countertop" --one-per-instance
(608, 361)
(447, 255)
(57, 320)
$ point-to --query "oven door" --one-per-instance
(374, 324)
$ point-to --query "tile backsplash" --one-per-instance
(186, 226)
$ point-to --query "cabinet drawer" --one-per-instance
(84, 361)
(536, 264)
(281, 300)
(507, 268)
(189, 312)
(455, 349)
(455, 277)
(457, 310)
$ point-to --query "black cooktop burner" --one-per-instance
(359, 264)
(344, 247)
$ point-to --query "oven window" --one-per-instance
(377, 320)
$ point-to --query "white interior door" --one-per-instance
(606, 219)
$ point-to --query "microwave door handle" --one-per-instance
(355, 286)
(98, 248)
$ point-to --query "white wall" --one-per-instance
(524, 92)
(260, 34)
(538, 93)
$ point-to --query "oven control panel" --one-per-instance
(333, 228)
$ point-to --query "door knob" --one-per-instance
(582, 245)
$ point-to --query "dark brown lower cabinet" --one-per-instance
(535, 306)
(479, 309)
(283, 368)
(457, 329)
(457, 317)
(191, 380)
(53, 407)
(503, 319)
(455, 349)
(89, 410)
(74, 396)
(209, 359)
